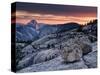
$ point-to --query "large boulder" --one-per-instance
(91, 59)
(46, 55)
(71, 54)
(75, 48)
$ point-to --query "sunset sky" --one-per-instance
(53, 14)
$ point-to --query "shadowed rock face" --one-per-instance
(91, 59)
(86, 48)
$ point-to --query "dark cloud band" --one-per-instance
(56, 9)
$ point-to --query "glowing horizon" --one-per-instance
(25, 17)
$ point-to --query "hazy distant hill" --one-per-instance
(26, 32)
(49, 29)
(33, 30)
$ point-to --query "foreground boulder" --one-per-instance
(71, 54)
(38, 57)
(53, 65)
(75, 48)
(46, 55)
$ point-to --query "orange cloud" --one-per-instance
(25, 17)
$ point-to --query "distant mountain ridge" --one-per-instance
(49, 29)
(26, 32)
(34, 30)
